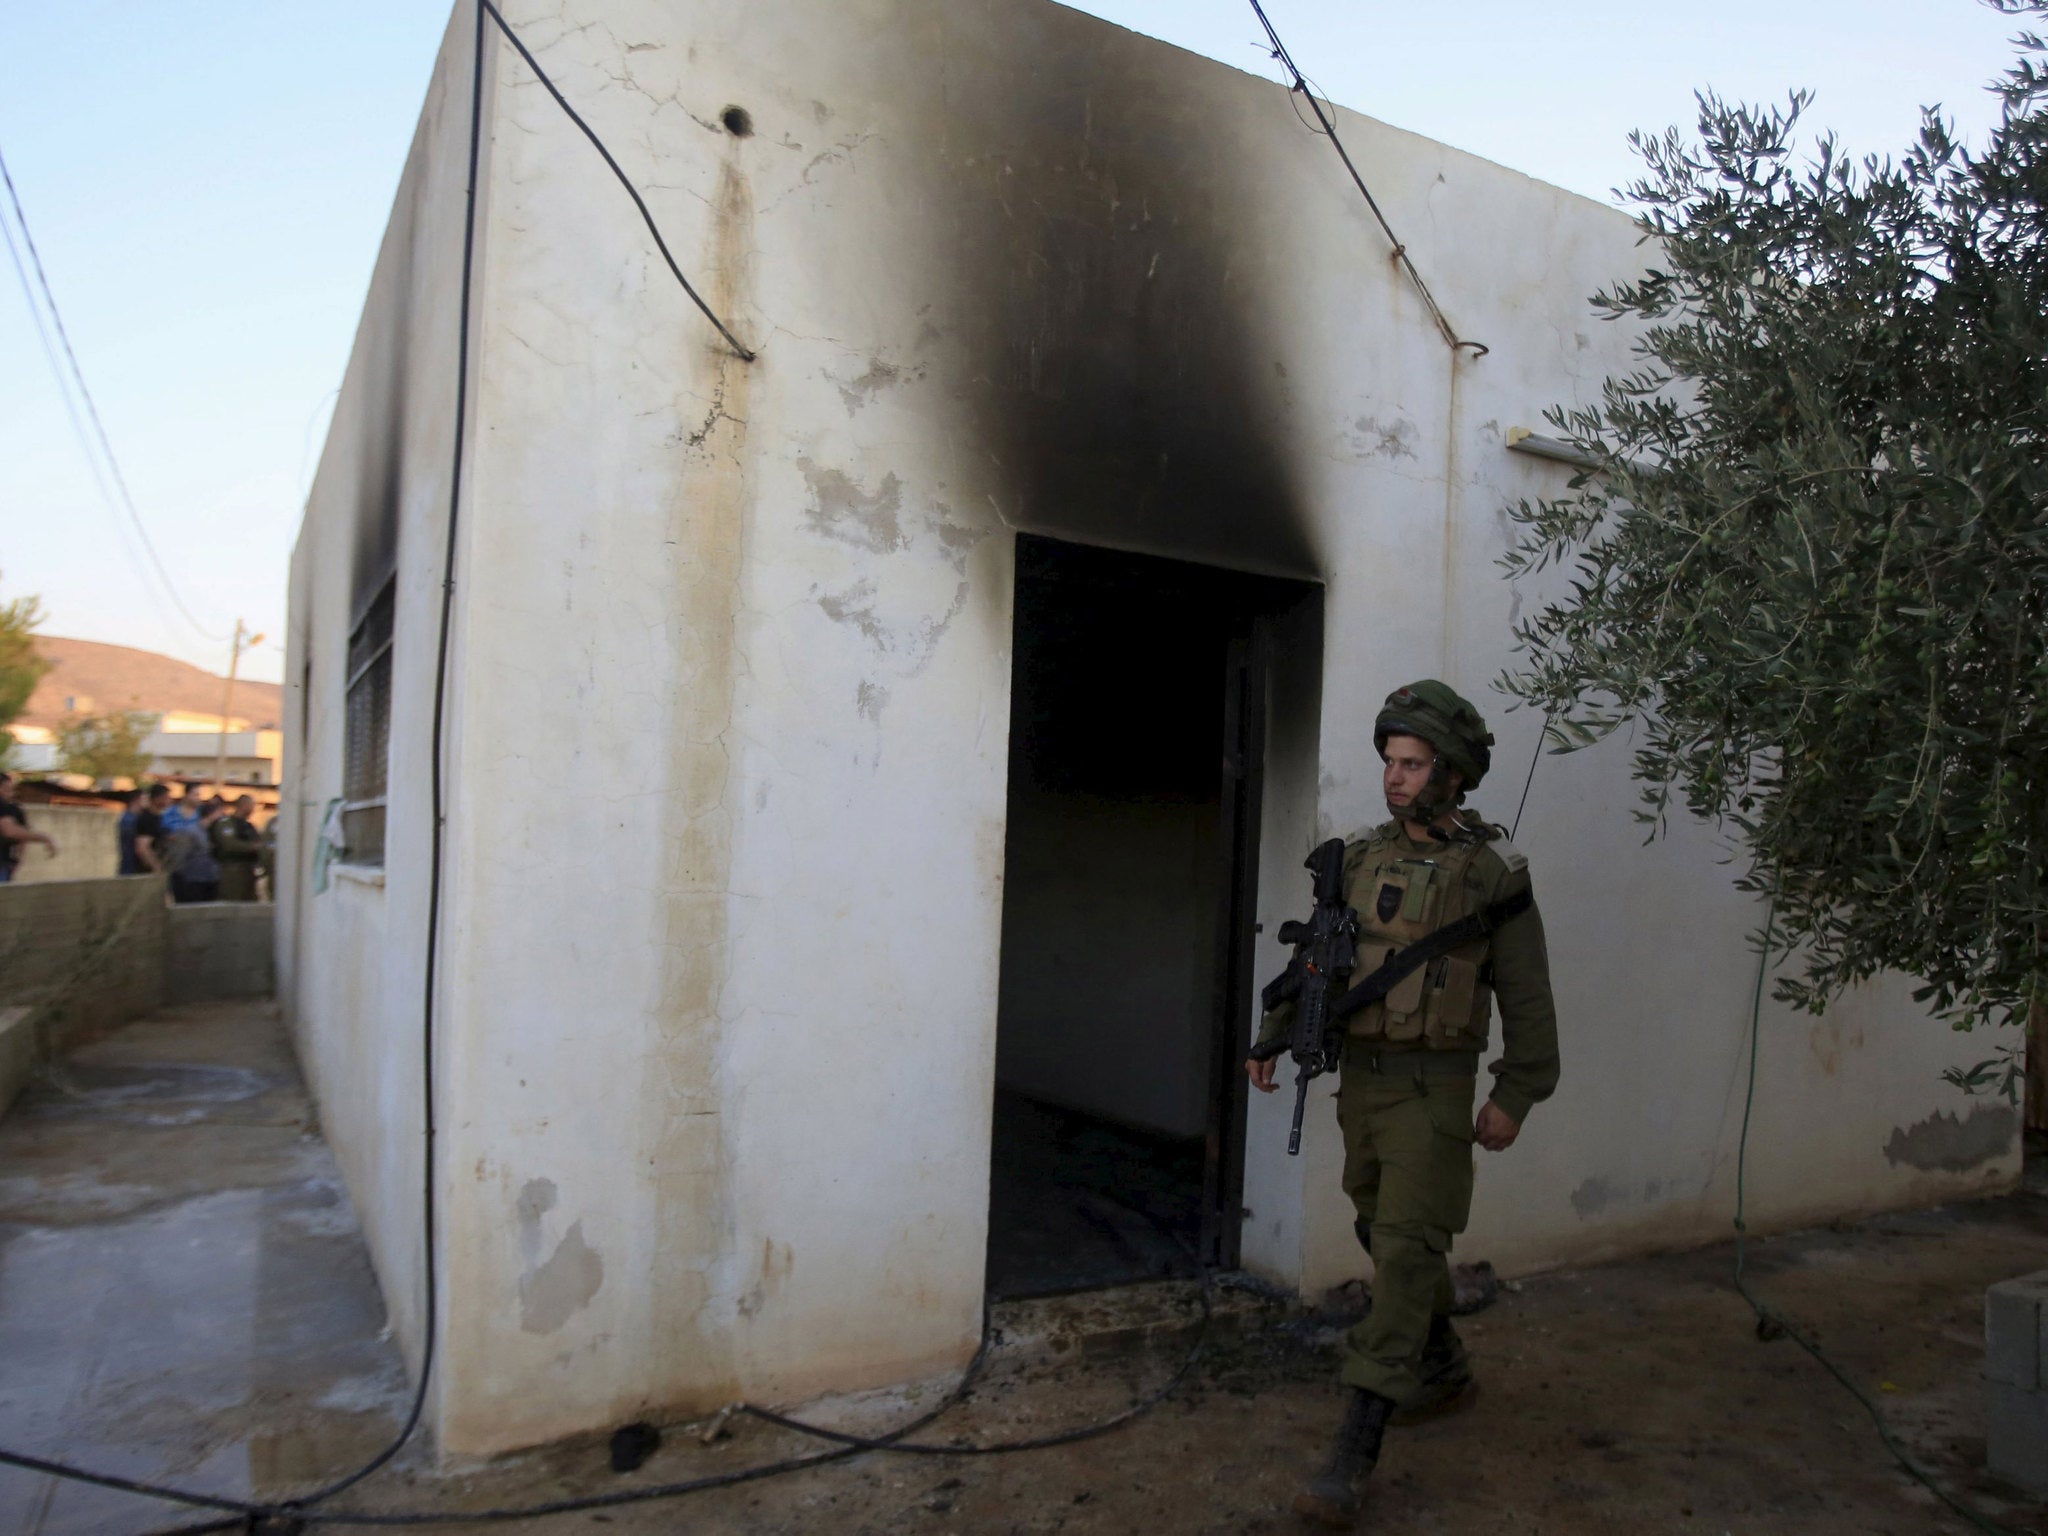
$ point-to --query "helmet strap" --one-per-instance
(1433, 800)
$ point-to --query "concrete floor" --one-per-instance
(183, 1294)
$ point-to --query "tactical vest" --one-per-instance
(1403, 892)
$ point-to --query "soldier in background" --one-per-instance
(238, 846)
(1411, 1065)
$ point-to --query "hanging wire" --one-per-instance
(746, 353)
(1329, 128)
(1530, 778)
(1770, 1322)
(92, 410)
(309, 1509)
(78, 430)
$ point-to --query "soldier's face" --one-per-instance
(1409, 762)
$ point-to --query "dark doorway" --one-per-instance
(1138, 691)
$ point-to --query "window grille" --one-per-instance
(366, 735)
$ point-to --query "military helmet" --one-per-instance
(1436, 713)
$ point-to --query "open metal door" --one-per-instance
(1244, 750)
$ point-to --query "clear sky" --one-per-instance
(207, 182)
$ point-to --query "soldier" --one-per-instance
(238, 846)
(1411, 1064)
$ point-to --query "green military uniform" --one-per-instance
(1405, 1097)
(237, 845)
(1411, 1066)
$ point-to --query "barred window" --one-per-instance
(366, 736)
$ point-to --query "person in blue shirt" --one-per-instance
(195, 873)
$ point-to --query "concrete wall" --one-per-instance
(87, 955)
(81, 957)
(220, 949)
(1108, 967)
(716, 1031)
(19, 1052)
(88, 847)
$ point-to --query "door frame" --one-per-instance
(1246, 672)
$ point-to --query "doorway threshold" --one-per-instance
(1128, 1319)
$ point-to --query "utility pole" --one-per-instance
(227, 702)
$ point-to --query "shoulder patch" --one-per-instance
(1366, 837)
(1513, 857)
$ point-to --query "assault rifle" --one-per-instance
(1325, 950)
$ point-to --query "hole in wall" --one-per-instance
(738, 122)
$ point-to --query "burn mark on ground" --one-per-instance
(1947, 1143)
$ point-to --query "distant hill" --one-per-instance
(114, 677)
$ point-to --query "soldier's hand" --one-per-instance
(1261, 1073)
(1495, 1128)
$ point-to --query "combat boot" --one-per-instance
(1446, 1372)
(1334, 1494)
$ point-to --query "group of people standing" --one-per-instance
(210, 845)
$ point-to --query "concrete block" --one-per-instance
(17, 1053)
(2015, 1321)
(2016, 1436)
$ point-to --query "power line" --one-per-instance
(92, 410)
(1329, 130)
(92, 462)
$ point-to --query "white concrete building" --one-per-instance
(943, 702)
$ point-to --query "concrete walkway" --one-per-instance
(184, 1294)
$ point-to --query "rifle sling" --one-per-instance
(1474, 925)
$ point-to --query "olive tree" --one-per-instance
(103, 747)
(1808, 563)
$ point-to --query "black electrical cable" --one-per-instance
(1769, 1317)
(1038, 1443)
(248, 1508)
(746, 353)
(437, 799)
(1329, 128)
(1531, 779)
(848, 1445)
(303, 1511)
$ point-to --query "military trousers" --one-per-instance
(1408, 1171)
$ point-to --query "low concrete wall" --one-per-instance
(88, 845)
(85, 955)
(81, 957)
(17, 1052)
(219, 949)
